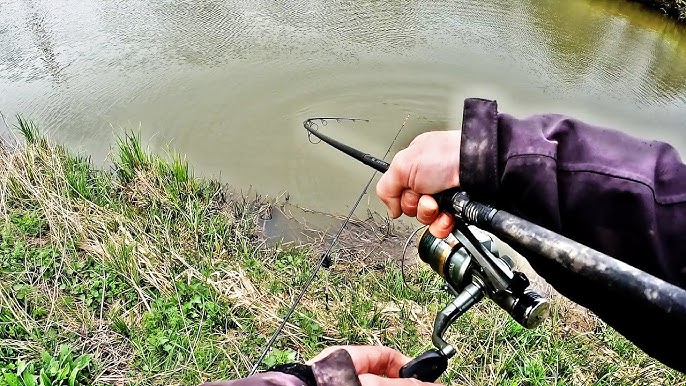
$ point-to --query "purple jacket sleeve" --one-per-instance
(337, 369)
(618, 194)
(615, 193)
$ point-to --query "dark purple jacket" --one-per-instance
(615, 193)
(337, 369)
(618, 194)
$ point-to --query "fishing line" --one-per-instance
(311, 124)
(402, 261)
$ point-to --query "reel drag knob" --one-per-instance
(530, 309)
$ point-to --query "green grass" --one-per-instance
(61, 369)
(145, 274)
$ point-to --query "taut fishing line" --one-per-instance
(311, 125)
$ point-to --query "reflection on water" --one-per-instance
(43, 40)
(230, 82)
(611, 51)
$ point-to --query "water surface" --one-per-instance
(229, 83)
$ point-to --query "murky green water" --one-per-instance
(230, 82)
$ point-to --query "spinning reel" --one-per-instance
(472, 267)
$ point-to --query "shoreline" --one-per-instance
(675, 9)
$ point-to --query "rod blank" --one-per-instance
(644, 308)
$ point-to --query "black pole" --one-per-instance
(645, 309)
(366, 158)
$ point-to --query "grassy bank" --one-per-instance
(144, 274)
(673, 8)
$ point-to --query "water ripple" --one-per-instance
(230, 80)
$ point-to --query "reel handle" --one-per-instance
(426, 367)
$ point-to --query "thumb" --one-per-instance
(375, 380)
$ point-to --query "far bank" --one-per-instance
(673, 8)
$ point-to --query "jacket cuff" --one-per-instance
(302, 372)
(335, 370)
(479, 149)
(269, 378)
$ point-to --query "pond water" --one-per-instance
(229, 83)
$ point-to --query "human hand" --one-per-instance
(375, 365)
(430, 164)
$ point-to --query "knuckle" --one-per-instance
(414, 382)
(419, 139)
(400, 159)
(409, 197)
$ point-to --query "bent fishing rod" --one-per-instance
(473, 268)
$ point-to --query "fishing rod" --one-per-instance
(473, 268)
(326, 256)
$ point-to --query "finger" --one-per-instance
(392, 183)
(427, 210)
(389, 189)
(375, 380)
(409, 201)
(377, 360)
(442, 226)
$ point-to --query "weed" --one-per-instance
(29, 130)
(277, 357)
(96, 285)
(313, 332)
(29, 224)
(50, 370)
